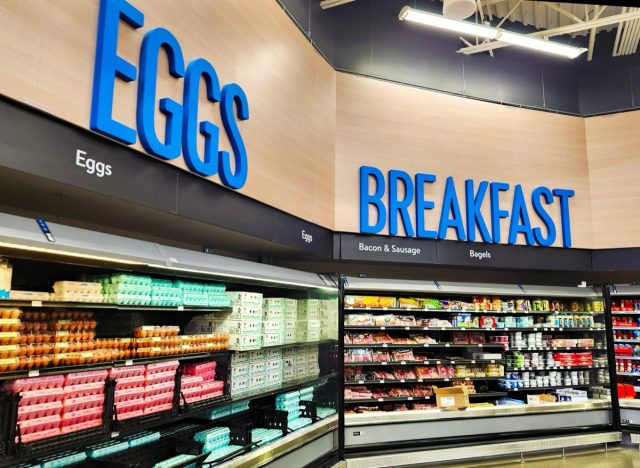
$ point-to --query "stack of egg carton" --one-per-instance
(290, 320)
(164, 293)
(193, 294)
(129, 392)
(216, 441)
(239, 373)
(294, 362)
(312, 366)
(309, 324)
(272, 321)
(243, 322)
(160, 380)
(127, 289)
(329, 317)
(290, 402)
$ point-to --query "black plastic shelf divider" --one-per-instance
(427, 345)
(390, 400)
(414, 381)
(469, 329)
(430, 362)
(475, 312)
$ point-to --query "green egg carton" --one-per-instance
(128, 299)
(219, 300)
(166, 301)
(214, 288)
(189, 286)
(131, 279)
(161, 283)
(131, 289)
(195, 299)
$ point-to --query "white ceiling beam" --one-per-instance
(325, 4)
(592, 36)
(563, 12)
(568, 29)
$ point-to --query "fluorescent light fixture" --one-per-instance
(438, 21)
(487, 32)
(245, 277)
(541, 44)
(68, 253)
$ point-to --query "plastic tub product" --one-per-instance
(128, 394)
(161, 366)
(174, 461)
(142, 438)
(74, 391)
(46, 423)
(82, 416)
(130, 382)
(39, 411)
(126, 371)
(83, 402)
(36, 397)
(158, 408)
(160, 377)
(107, 448)
(63, 459)
(156, 389)
(85, 377)
(35, 383)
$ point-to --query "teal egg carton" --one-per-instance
(239, 407)
(166, 291)
(212, 288)
(130, 279)
(166, 301)
(325, 412)
(212, 434)
(292, 415)
(127, 299)
(222, 452)
(63, 459)
(288, 405)
(125, 288)
(265, 436)
(27, 465)
(219, 300)
(195, 299)
(175, 461)
(218, 413)
(189, 286)
(162, 283)
(142, 438)
(107, 448)
(215, 445)
(299, 423)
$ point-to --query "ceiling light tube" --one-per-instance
(487, 32)
(438, 21)
(244, 277)
(541, 44)
(68, 253)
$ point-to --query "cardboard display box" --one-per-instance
(452, 398)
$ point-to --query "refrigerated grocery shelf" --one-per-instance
(389, 399)
(557, 387)
(629, 374)
(428, 362)
(629, 358)
(399, 381)
(487, 394)
(626, 328)
(556, 348)
(475, 312)
(627, 341)
(629, 312)
(470, 329)
(426, 345)
(103, 305)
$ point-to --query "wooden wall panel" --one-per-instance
(397, 127)
(48, 57)
(613, 147)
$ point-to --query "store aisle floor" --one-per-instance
(614, 458)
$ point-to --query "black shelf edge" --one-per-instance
(103, 305)
(469, 329)
(429, 362)
(488, 394)
(415, 381)
(427, 345)
(390, 400)
(108, 364)
(527, 369)
(306, 343)
(478, 312)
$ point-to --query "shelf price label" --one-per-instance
(410, 398)
(380, 399)
(180, 307)
(385, 345)
(128, 362)
(360, 382)
(384, 363)
(438, 363)
(403, 363)
(401, 380)
(420, 380)
(34, 373)
(381, 380)
(36, 303)
(407, 328)
(382, 328)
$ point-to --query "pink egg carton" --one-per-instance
(209, 395)
(86, 389)
(130, 382)
(81, 426)
(191, 395)
(34, 436)
(199, 368)
(35, 383)
(214, 386)
(126, 371)
(85, 402)
(39, 411)
(159, 399)
(37, 397)
(162, 366)
(81, 416)
(159, 408)
(78, 378)
(131, 406)
(39, 424)
(128, 394)
(207, 376)
(164, 387)
(160, 377)
(130, 414)
(190, 381)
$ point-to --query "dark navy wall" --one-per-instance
(366, 37)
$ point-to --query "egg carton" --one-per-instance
(130, 279)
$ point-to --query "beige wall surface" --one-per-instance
(613, 148)
(47, 58)
(392, 126)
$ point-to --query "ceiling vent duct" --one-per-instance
(458, 9)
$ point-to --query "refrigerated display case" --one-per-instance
(427, 363)
(120, 352)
